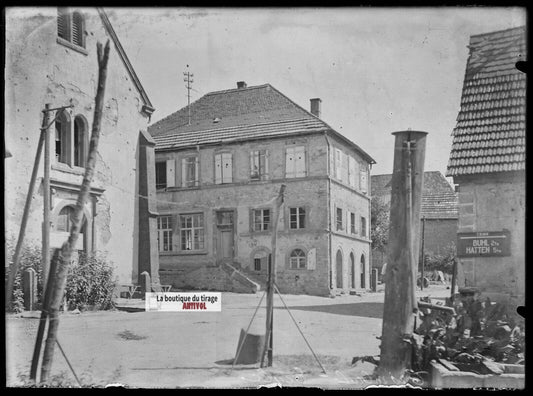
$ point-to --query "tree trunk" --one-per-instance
(64, 257)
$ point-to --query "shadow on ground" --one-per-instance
(363, 309)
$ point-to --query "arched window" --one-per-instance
(297, 259)
(70, 26)
(62, 138)
(65, 218)
(80, 141)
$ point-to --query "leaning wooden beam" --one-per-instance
(66, 250)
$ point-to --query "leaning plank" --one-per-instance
(449, 365)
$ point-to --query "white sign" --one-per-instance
(183, 302)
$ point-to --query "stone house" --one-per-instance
(438, 213)
(487, 161)
(218, 168)
(51, 59)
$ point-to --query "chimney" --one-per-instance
(241, 84)
(315, 106)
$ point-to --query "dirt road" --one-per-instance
(193, 349)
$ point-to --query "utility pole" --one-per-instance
(269, 339)
(188, 79)
(46, 202)
(402, 264)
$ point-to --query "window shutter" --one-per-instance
(311, 259)
(300, 161)
(218, 168)
(77, 29)
(183, 172)
(364, 181)
(289, 162)
(63, 24)
(171, 174)
(351, 171)
(252, 155)
(227, 168)
(266, 163)
(338, 164)
(196, 171)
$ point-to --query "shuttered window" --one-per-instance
(161, 175)
(295, 162)
(297, 259)
(70, 27)
(351, 171)
(259, 164)
(223, 168)
(363, 180)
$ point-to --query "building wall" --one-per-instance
(493, 203)
(242, 196)
(439, 235)
(40, 70)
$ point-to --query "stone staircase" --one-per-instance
(241, 278)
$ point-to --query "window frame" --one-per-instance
(353, 228)
(363, 226)
(163, 165)
(298, 260)
(262, 172)
(262, 217)
(298, 215)
(339, 216)
(165, 233)
(185, 163)
(201, 241)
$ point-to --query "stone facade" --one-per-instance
(43, 68)
(318, 193)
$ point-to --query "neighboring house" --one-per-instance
(487, 161)
(51, 59)
(438, 212)
(217, 174)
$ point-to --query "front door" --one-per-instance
(225, 236)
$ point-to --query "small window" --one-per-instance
(339, 169)
(71, 26)
(192, 231)
(352, 223)
(363, 180)
(189, 171)
(261, 261)
(164, 233)
(261, 219)
(295, 162)
(160, 175)
(297, 259)
(363, 226)
(297, 218)
(339, 220)
(351, 171)
(259, 164)
(80, 142)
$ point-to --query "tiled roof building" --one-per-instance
(219, 164)
(487, 162)
(439, 200)
(490, 132)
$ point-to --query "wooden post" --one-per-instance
(45, 252)
(29, 286)
(423, 254)
(271, 279)
(65, 255)
(454, 279)
(402, 264)
(16, 257)
(44, 317)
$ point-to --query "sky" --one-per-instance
(377, 70)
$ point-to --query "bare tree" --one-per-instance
(64, 257)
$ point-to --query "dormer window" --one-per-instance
(70, 27)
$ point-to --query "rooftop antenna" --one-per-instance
(188, 79)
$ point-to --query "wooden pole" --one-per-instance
(271, 279)
(454, 279)
(16, 257)
(423, 254)
(44, 318)
(402, 263)
(45, 252)
(65, 254)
